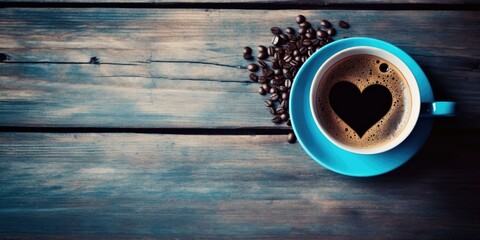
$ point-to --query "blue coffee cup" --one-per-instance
(349, 160)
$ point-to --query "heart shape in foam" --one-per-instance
(360, 110)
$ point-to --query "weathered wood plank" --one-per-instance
(180, 68)
(293, 2)
(145, 185)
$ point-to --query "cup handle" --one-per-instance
(438, 109)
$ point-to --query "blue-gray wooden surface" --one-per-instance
(75, 163)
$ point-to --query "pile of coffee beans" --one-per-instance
(278, 64)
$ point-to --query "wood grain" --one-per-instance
(165, 68)
(291, 2)
(145, 185)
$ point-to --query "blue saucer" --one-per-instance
(333, 157)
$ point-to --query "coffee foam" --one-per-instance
(363, 71)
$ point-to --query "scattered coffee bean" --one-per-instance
(343, 24)
(276, 119)
(261, 91)
(285, 38)
(262, 79)
(280, 111)
(305, 25)
(247, 50)
(291, 138)
(289, 122)
(262, 64)
(276, 30)
(287, 83)
(266, 87)
(273, 90)
(274, 97)
(268, 103)
(253, 77)
(300, 19)
(280, 62)
(252, 67)
(262, 55)
(276, 41)
(325, 23)
(302, 31)
(322, 33)
(271, 110)
(247, 56)
(271, 51)
(261, 48)
(331, 31)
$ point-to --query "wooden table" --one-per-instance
(138, 120)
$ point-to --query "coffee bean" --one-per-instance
(285, 96)
(270, 73)
(303, 50)
(292, 37)
(325, 23)
(271, 51)
(252, 67)
(321, 33)
(305, 25)
(247, 56)
(282, 89)
(302, 31)
(285, 38)
(315, 42)
(276, 30)
(277, 55)
(271, 110)
(280, 111)
(266, 87)
(261, 48)
(298, 58)
(253, 77)
(276, 41)
(284, 116)
(306, 42)
(261, 91)
(298, 44)
(275, 65)
(291, 136)
(300, 19)
(285, 71)
(277, 81)
(262, 64)
(276, 119)
(278, 71)
(287, 83)
(273, 90)
(284, 104)
(262, 79)
(287, 58)
(262, 55)
(293, 63)
(343, 24)
(247, 50)
(331, 31)
(290, 30)
(268, 103)
(274, 97)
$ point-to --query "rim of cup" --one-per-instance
(405, 71)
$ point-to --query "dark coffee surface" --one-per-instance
(364, 102)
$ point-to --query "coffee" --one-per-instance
(363, 101)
